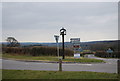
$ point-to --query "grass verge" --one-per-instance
(51, 58)
(30, 74)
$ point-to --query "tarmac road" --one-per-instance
(110, 66)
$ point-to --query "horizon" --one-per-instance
(60, 41)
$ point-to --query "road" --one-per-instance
(110, 66)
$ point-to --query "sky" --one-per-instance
(40, 21)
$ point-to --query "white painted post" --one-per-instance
(59, 59)
(57, 38)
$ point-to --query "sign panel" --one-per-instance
(76, 46)
(76, 49)
(109, 51)
(56, 38)
(75, 40)
(77, 55)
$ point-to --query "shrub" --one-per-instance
(36, 51)
(115, 54)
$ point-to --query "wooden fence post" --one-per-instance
(60, 64)
(119, 69)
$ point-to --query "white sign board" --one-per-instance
(77, 55)
(75, 40)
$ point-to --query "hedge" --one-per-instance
(104, 54)
(35, 51)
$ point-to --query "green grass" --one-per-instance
(0, 55)
(30, 74)
(51, 58)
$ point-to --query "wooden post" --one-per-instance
(60, 64)
(118, 67)
(118, 70)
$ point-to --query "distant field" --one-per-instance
(50, 58)
(29, 74)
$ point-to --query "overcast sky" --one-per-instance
(39, 21)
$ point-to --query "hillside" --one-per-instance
(93, 45)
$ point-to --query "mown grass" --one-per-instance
(51, 58)
(0, 55)
(30, 74)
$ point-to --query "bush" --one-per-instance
(36, 51)
(84, 52)
(115, 54)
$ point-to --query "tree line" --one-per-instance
(99, 49)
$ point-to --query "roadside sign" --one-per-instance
(76, 49)
(109, 51)
(76, 46)
(56, 38)
(75, 40)
(77, 55)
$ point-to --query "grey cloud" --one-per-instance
(49, 17)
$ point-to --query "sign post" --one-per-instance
(109, 51)
(57, 38)
(60, 64)
(118, 67)
(60, 60)
(76, 46)
(77, 55)
(63, 32)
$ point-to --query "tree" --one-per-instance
(12, 42)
